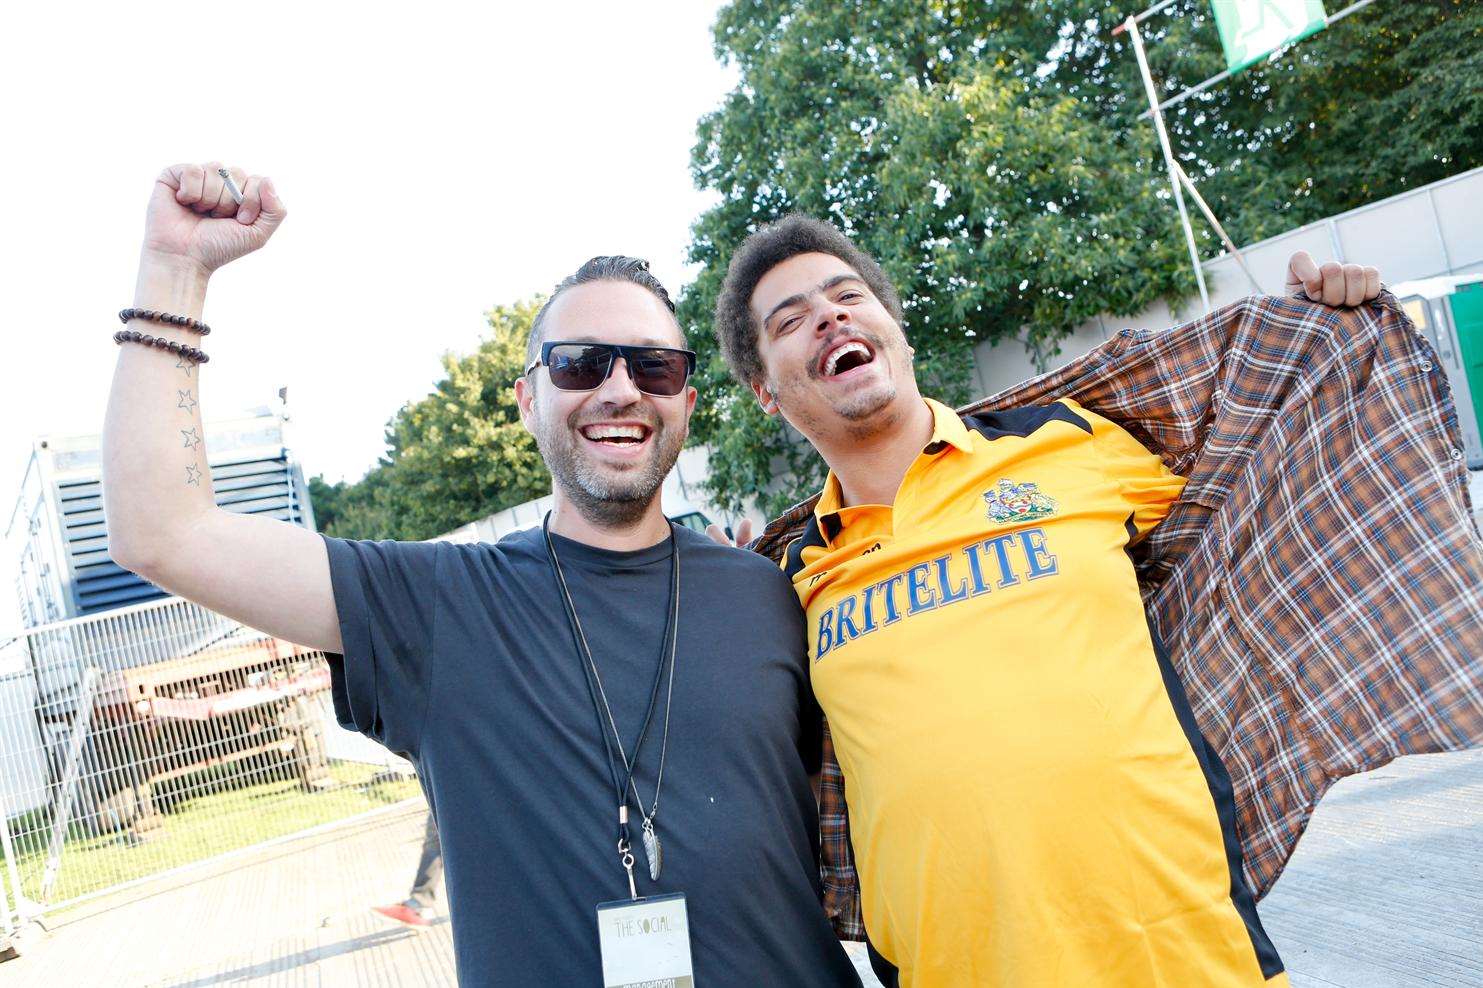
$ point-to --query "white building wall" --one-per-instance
(1431, 231)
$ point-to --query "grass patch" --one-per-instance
(205, 817)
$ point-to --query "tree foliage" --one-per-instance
(1381, 102)
(456, 455)
(990, 155)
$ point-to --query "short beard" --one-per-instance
(869, 422)
(860, 407)
(605, 500)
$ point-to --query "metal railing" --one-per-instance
(154, 737)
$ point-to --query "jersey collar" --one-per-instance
(947, 428)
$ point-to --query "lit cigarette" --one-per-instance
(226, 177)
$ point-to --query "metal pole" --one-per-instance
(5, 898)
(1158, 121)
(1140, 18)
(1191, 91)
(1210, 217)
(69, 779)
(11, 876)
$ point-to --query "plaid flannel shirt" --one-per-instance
(1319, 583)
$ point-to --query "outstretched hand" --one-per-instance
(1332, 284)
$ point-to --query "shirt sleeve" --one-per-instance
(836, 857)
(387, 606)
(1145, 487)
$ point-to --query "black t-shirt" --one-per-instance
(461, 657)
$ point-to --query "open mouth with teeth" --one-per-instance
(845, 357)
(627, 435)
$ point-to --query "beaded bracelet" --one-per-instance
(165, 317)
(134, 336)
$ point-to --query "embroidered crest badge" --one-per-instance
(1018, 502)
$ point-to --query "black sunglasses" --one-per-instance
(655, 370)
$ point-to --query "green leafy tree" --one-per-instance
(1381, 102)
(328, 500)
(994, 201)
(454, 456)
(364, 509)
(991, 156)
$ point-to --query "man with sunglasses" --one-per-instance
(610, 715)
(1031, 801)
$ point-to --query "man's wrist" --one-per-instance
(171, 283)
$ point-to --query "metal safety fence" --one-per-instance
(153, 737)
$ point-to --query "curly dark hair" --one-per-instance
(607, 267)
(736, 329)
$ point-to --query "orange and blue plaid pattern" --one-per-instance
(1319, 584)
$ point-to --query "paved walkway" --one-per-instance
(1386, 887)
(1385, 890)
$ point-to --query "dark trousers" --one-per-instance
(430, 867)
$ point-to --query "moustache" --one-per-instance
(635, 412)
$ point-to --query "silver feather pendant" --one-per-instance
(652, 850)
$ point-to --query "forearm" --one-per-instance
(155, 478)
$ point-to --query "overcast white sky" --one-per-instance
(436, 159)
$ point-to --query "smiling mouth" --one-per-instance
(616, 435)
(845, 357)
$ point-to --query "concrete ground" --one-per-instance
(1386, 889)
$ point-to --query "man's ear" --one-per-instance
(766, 397)
(525, 397)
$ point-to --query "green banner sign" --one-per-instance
(1250, 30)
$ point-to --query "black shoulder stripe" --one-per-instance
(1023, 421)
(793, 555)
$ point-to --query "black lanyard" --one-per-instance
(609, 728)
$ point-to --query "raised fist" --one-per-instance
(192, 215)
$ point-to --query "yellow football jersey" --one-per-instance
(1030, 799)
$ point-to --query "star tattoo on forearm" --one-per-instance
(186, 401)
(191, 439)
(185, 365)
(193, 476)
